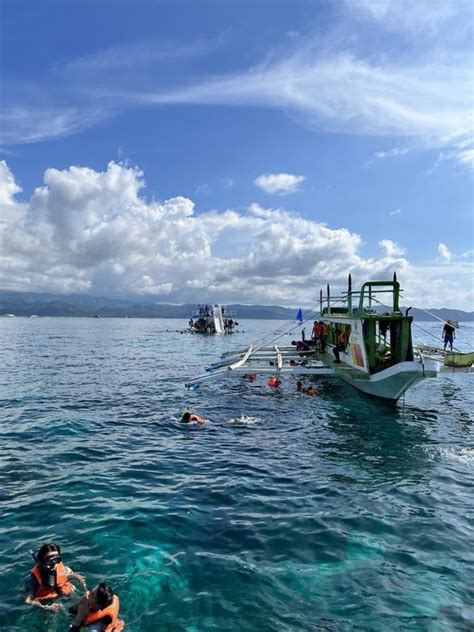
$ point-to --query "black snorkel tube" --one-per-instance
(35, 557)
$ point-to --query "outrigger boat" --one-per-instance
(212, 319)
(377, 357)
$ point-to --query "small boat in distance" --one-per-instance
(212, 319)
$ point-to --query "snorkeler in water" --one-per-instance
(98, 611)
(50, 578)
(310, 390)
(274, 381)
(189, 417)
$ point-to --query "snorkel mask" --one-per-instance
(48, 569)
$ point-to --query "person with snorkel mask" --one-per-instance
(50, 578)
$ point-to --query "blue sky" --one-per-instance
(237, 151)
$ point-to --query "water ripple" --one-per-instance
(283, 513)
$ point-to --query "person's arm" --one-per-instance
(82, 612)
(30, 590)
(52, 607)
(79, 578)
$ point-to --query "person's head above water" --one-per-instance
(188, 417)
(101, 596)
(49, 555)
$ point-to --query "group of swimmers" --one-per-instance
(274, 382)
(50, 580)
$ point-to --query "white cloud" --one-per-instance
(279, 183)
(20, 124)
(423, 96)
(139, 54)
(395, 212)
(202, 188)
(391, 153)
(84, 230)
(466, 157)
(391, 248)
(444, 253)
(428, 16)
(9, 209)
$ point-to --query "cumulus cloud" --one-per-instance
(391, 248)
(279, 183)
(444, 253)
(88, 231)
(9, 209)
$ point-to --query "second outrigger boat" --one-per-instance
(377, 354)
(212, 319)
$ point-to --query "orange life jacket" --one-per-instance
(342, 338)
(324, 330)
(111, 611)
(273, 381)
(316, 330)
(62, 585)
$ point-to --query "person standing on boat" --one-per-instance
(316, 332)
(448, 335)
(323, 335)
(340, 344)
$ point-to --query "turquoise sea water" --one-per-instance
(285, 513)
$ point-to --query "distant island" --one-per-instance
(74, 305)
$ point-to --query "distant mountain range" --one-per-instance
(41, 304)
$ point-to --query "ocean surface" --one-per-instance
(284, 513)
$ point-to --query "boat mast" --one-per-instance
(349, 294)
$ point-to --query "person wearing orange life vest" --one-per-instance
(50, 579)
(273, 381)
(98, 611)
(316, 333)
(310, 390)
(340, 344)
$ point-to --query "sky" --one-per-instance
(246, 152)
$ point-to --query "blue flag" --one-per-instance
(299, 316)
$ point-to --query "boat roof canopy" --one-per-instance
(359, 303)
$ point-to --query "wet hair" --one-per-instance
(46, 549)
(104, 595)
(186, 417)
